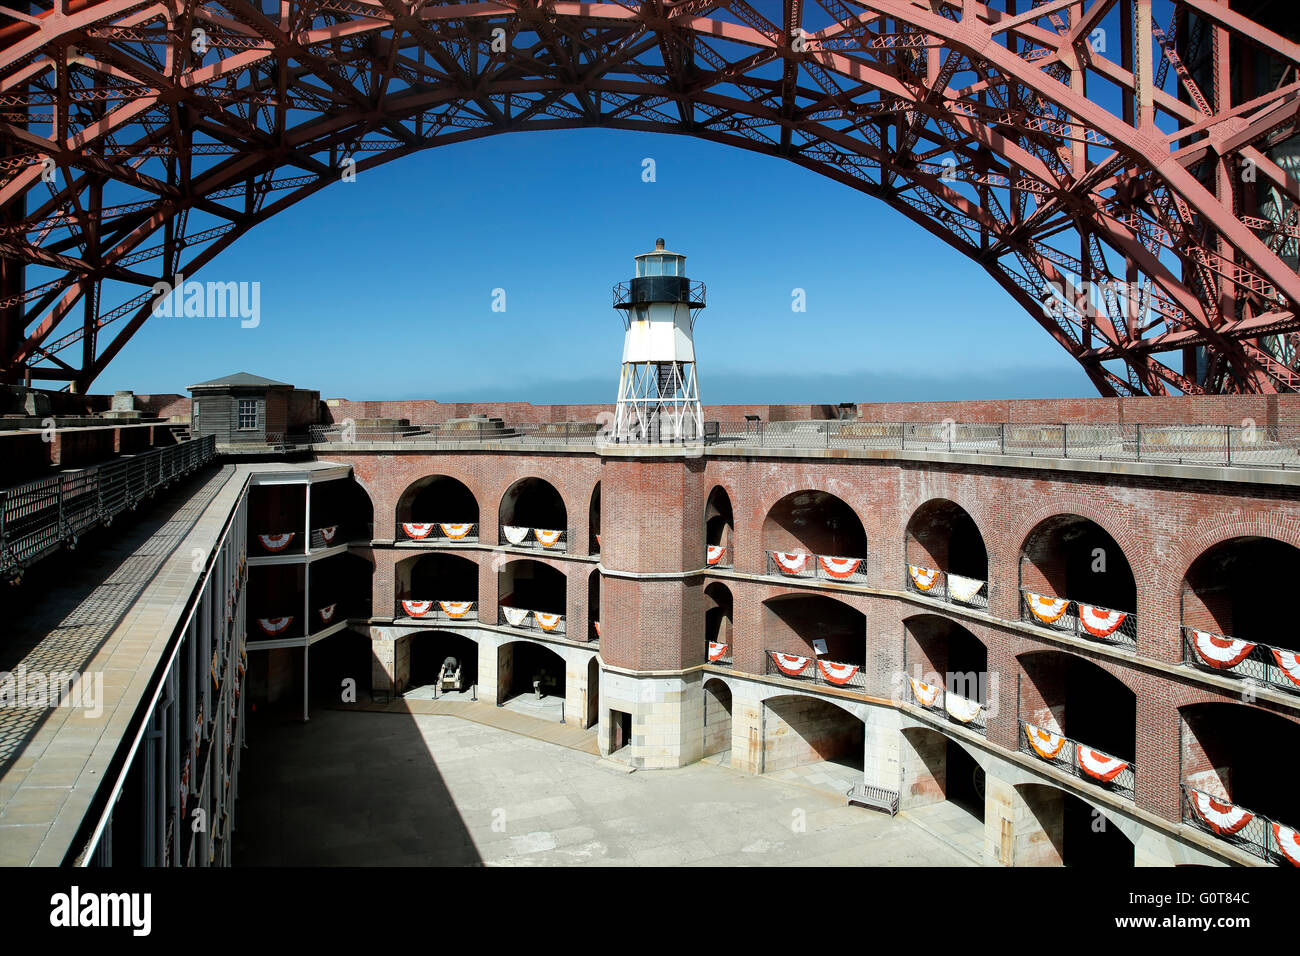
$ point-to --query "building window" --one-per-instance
(247, 414)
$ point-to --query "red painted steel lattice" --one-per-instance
(1122, 186)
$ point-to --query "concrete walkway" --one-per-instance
(490, 715)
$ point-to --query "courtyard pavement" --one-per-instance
(401, 787)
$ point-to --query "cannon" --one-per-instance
(449, 675)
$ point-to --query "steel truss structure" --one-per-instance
(1112, 164)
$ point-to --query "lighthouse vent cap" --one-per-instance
(659, 244)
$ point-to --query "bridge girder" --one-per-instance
(140, 138)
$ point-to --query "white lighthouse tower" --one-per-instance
(658, 391)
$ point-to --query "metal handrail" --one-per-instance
(436, 611)
(438, 533)
(1071, 621)
(813, 673)
(1124, 783)
(1260, 663)
(532, 538)
(941, 590)
(818, 567)
(530, 622)
(940, 706)
(1255, 836)
(41, 516)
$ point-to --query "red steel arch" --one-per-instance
(1114, 176)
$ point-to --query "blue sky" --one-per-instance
(382, 288)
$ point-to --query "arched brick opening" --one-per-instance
(937, 769)
(436, 578)
(533, 503)
(792, 623)
(941, 648)
(430, 650)
(718, 609)
(1232, 590)
(1241, 754)
(719, 528)
(437, 500)
(593, 605)
(345, 506)
(532, 586)
(941, 535)
(525, 668)
(1071, 557)
(593, 522)
(802, 731)
(1069, 832)
(275, 601)
(717, 717)
(1069, 695)
(339, 587)
(275, 511)
(815, 522)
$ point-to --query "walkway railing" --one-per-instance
(1251, 832)
(1269, 446)
(41, 516)
(437, 610)
(530, 620)
(1232, 445)
(814, 670)
(954, 708)
(1088, 621)
(942, 586)
(1088, 764)
(543, 539)
(326, 537)
(1234, 657)
(438, 532)
(801, 564)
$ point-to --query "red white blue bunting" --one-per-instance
(1220, 816)
(923, 578)
(1220, 652)
(327, 534)
(456, 531)
(791, 664)
(714, 553)
(961, 708)
(1045, 743)
(925, 694)
(274, 625)
(1101, 766)
(1100, 621)
(547, 537)
(717, 651)
(456, 609)
(1049, 610)
(839, 568)
(417, 531)
(791, 562)
(327, 613)
(837, 673)
(275, 542)
(1288, 843)
(417, 608)
(1289, 661)
(963, 589)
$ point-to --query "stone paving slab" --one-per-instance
(393, 786)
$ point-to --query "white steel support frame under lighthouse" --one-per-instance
(658, 389)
